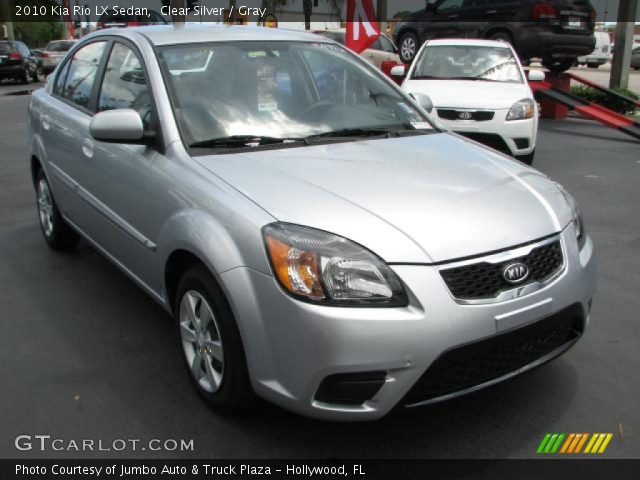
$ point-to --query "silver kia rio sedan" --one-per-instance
(320, 243)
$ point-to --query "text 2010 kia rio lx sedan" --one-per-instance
(320, 243)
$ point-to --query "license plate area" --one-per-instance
(574, 23)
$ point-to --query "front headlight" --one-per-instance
(576, 216)
(521, 110)
(324, 268)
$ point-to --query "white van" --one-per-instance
(600, 55)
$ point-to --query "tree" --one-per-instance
(37, 34)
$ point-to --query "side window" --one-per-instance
(386, 44)
(376, 45)
(62, 76)
(82, 73)
(450, 4)
(125, 84)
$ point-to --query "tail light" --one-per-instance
(44, 55)
(100, 25)
(15, 56)
(544, 11)
(133, 24)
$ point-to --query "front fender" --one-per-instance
(201, 234)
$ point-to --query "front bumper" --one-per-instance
(514, 137)
(292, 346)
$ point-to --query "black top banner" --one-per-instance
(329, 12)
(320, 469)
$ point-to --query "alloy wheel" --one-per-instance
(408, 48)
(45, 208)
(201, 341)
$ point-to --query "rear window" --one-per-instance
(6, 48)
(59, 46)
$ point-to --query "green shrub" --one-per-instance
(608, 101)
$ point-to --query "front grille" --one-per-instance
(478, 116)
(479, 362)
(485, 280)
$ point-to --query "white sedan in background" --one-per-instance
(381, 50)
(478, 89)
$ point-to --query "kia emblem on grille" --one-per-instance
(465, 115)
(515, 272)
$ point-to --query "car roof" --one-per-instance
(160, 35)
(468, 42)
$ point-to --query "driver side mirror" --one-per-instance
(398, 71)
(423, 100)
(119, 126)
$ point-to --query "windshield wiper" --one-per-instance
(355, 132)
(238, 141)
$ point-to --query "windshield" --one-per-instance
(59, 46)
(463, 62)
(279, 90)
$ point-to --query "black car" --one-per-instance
(17, 62)
(557, 31)
(635, 59)
(112, 19)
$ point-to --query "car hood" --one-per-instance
(469, 93)
(420, 199)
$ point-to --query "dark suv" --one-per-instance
(557, 31)
(16, 61)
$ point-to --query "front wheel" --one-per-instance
(57, 233)
(558, 64)
(408, 46)
(211, 343)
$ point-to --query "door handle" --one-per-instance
(453, 16)
(87, 148)
(45, 122)
(488, 12)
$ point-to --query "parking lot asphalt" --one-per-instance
(85, 354)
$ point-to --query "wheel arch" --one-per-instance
(36, 166)
(195, 237)
(500, 29)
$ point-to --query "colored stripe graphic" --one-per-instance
(573, 443)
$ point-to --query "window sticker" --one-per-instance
(267, 86)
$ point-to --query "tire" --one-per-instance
(558, 64)
(56, 232)
(25, 77)
(408, 47)
(35, 77)
(526, 159)
(214, 357)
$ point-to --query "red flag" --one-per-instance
(362, 27)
